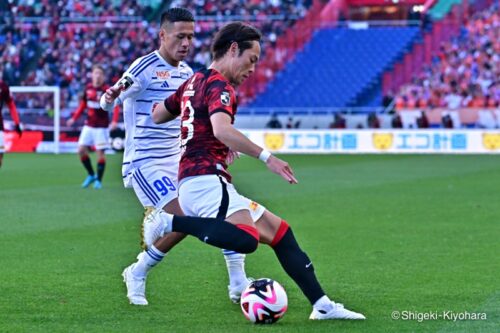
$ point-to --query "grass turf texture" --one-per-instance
(385, 233)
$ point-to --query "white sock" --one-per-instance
(147, 260)
(235, 263)
(169, 218)
(323, 304)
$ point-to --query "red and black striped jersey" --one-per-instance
(96, 117)
(205, 94)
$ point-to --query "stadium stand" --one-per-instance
(464, 72)
(67, 37)
(338, 66)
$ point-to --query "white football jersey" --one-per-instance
(148, 81)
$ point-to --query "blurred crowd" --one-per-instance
(67, 37)
(73, 8)
(466, 71)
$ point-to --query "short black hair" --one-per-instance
(176, 14)
(238, 32)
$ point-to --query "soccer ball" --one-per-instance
(264, 301)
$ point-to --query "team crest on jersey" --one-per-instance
(274, 141)
(225, 98)
(163, 75)
(184, 76)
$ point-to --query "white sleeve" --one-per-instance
(130, 86)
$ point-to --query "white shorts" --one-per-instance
(94, 136)
(155, 184)
(213, 196)
(2, 143)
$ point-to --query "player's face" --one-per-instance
(97, 77)
(244, 65)
(176, 39)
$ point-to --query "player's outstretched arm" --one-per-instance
(236, 141)
(161, 114)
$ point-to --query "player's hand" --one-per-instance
(70, 122)
(18, 130)
(232, 156)
(281, 168)
(113, 125)
(111, 94)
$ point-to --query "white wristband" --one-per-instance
(264, 155)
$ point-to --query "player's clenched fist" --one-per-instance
(111, 94)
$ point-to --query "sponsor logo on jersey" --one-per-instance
(163, 75)
(154, 106)
(274, 141)
(382, 141)
(225, 99)
(93, 105)
(164, 84)
(491, 141)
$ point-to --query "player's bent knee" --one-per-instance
(250, 242)
(247, 245)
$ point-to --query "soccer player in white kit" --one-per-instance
(152, 152)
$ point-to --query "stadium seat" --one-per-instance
(338, 67)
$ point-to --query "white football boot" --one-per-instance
(235, 292)
(337, 312)
(136, 287)
(154, 226)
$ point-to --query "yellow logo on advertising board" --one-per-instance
(491, 141)
(274, 141)
(382, 141)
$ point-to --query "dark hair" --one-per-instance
(176, 15)
(238, 32)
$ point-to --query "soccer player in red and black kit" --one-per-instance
(6, 98)
(207, 106)
(95, 132)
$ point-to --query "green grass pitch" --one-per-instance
(385, 233)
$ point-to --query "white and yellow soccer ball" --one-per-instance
(264, 301)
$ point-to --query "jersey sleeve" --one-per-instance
(9, 101)
(173, 102)
(130, 84)
(5, 90)
(220, 97)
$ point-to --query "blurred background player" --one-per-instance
(152, 152)
(6, 98)
(95, 132)
(207, 105)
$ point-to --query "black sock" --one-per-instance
(298, 266)
(87, 164)
(101, 164)
(219, 233)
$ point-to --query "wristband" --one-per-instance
(264, 155)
